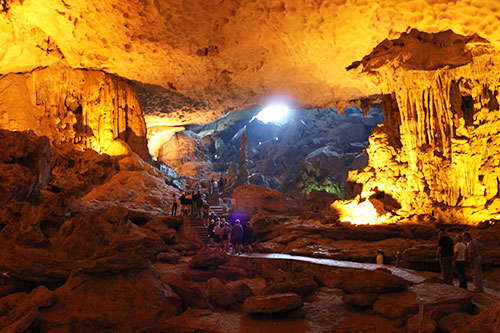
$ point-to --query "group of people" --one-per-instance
(217, 185)
(191, 204)
(231, 237)
(464, 248)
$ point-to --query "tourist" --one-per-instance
(226, 230)
(182, 200)
(444, 254)
(199, 205)
(217, 234)
(459, 258)
(221, 184)
(211, 227)
(192, 201)
(174, 205)
(237, 237)
(475, 256)
(247, 237)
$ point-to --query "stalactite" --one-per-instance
(89, 108)
(447, 121)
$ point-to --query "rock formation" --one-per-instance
(435, 153)
(85, 107)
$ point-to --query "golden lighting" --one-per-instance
(158, 134)
(359, 213)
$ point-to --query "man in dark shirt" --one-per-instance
(444, 254)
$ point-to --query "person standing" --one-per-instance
(237, 237)
(459, 258)
(444, 254)
(475, 256)
(247, 237)
(174, 205)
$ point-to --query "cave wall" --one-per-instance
(438, 152)
(89, 108)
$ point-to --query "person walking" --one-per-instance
(474, 255)
(459, 258)
(174, 205)
(444, 255)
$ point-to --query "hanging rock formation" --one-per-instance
(438, 151)
(85, 107)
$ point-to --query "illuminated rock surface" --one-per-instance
(227, 53)
(436, 153)
(85, 107)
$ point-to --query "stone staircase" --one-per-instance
(200, 228)
(213, 200)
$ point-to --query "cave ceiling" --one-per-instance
(229, 54)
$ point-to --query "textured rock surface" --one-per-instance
(133, 301)
(187, 153)
(137, 186)
(252, 198)
(220, 51)
(275, 303)
(86, 107)
(434, 154)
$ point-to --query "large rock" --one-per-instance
(486, 321)
(252, 198)
(95, 243)
(208, 258)
(301, 286)
(360, 300)
(454, 321)
(134, 301)
(437, 300)
(276, 303)
(190, 292)
(25, 165)
(142, 191)
(362, 281)
(185, 152)
(219, 294)
(91, 108)
(27, 310)
(167, 234)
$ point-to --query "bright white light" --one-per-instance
(273, 114)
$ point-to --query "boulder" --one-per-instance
(186, 152)
(454, 321)
(144, 193)
(486, 321)
(438, 300)
(8, 302)
(252, 198)
(218, 294)
(208, 258)
(240, 289)
(27, 310)
(169, 257)
(301, 286)
(396, 305)
(360, 281)
(120, 302)
(190, 292)
(168, 235)
(360, 300)
(269, 304)
(427, 324)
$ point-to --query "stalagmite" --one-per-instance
(436, 153)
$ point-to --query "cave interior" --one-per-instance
(343, 134)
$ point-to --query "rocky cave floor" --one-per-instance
(86, 246)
